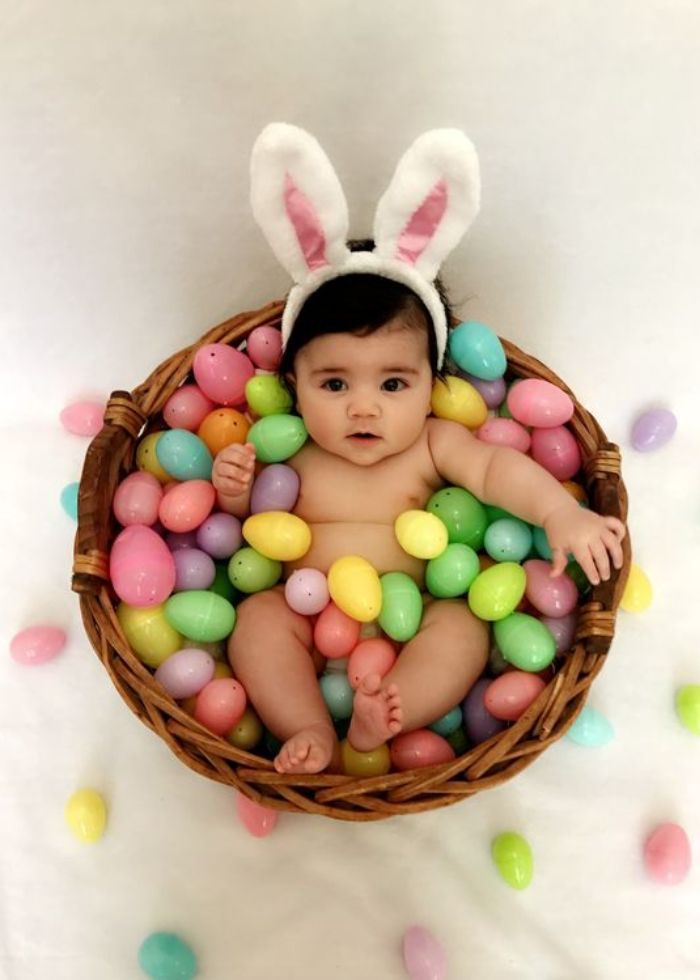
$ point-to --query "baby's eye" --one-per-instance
(333, 384)
(394, 384)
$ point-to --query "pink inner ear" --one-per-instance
(306, 224)
(422, 225)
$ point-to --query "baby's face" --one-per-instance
(365, 398)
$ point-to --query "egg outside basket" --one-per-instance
(110, 457)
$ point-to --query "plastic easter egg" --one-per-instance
(511, 694)
(277, 437)
(148, 633)
(194, 569)
(264, 347)
(69, 500)
(219, 535)
(512, 856)
(141, 568)
(222, 584)
(563, 629)
(524, 641)
(275, 488)
(200, 615)
(479, 723)
(539, 403)
(338, 695)
(37, 644)
(504, 432)
(223, 427)
(419, 748)
(475, 348)
(222, 669)
(221, 372)
(550, 596)
(186, 505)
(449, 722)
(247, 731)
(377, 762)
(496, 592)
(688, 707)
(249, 571)
(278, 535)
(591, 729)
(455, 399)
(86, 815)
(637, 595)
(176, 541)
(420, 533)
(187, 408)
(306, 591)
(336, 634)
(462, 514)
(184, 456)
(402, 606)
(83, 418)
(258, 820)
(667, 854)
(557, 450)
(493, 392)
(424, 957)
(186, 672)
(373, 656)
(355, 587)
(164, 956)
(653, 429)
(147, 458)
(452, 572)
(220, 704)
(137, 499)
(508, 539)
(266, 395)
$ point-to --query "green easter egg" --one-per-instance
(452, 572)
(222, 584)
(184, 455)
(402, 606)
(164, 956)
(688, 707)
(494, 513)
(524, 641)
(496, 592)
(149, 633)
(250, 571)
(458, 740)
(512, 856)
(508, 539)
(277, 437)
(338, 695)
(462, 514)
(200, 615)
(574, 571)
(266, 395)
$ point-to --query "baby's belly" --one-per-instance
(375, 542)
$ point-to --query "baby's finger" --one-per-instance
(600, 554)
(612, 543)
(558, 562)
(585, 559)
(616, 526)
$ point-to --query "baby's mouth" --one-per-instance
(363, 436)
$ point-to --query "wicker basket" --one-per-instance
(110, 457)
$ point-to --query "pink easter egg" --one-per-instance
(83, 418)
(423, 956)
(667, 854)
(373, 656)
(221, 372)
(504, 432)
(557, 450)
(550, 596)
(185, 672)
(141, 567)
(335, 634)
(563, 629)
(306, 591)
(220, 705)
(187, 408)
(536, 402)
(264, 347)
(413, 750)
(187, 505)
(258, 820)
(137, 499)
(509, 695)
(37, 644)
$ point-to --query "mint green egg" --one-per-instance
(476, 349)
(402, 606)
(508, 539)
(496, 592)
(164, 956)
(449, 722)
(200, 615)
(184, 455)
(539, 540)
(688, 707)
(452, 572)
(266, 395)
(250, 571)
(338, 695)
(512, 856)
(462, 514)
(277, 437)
(591, 729)
(524, 641)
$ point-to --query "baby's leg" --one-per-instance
(270, 653)
(432, 674)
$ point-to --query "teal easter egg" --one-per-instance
(277, 437)
(512, 856)
(524, 641)
(250, 571)
(449, 722)
(591, 728)
(69, 500)
(508, 539)
(164, 956)
(452, 572)
(183, 455)
(402, 606)
(496, 592)
(266, 395)
(462, 514)
(541, 544)
(200, 615)
(338, 695)
(476, 349)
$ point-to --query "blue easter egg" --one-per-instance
(338, 695)
(184, 455)
(476, 349)
(591, 728)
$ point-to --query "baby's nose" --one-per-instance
(363, 405)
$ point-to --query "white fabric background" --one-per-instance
(126, 232)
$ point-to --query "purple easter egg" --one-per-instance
(423, 956)
(176, 540)
(493, 392)
(653, 429)
(479, 723)
(194, 569)
(563, 629)
(306, 591)
(186, 672)
(276, 488)
(220, 535)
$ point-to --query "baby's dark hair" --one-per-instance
(361, 303)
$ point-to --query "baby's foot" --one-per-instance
(310, 750)
(376, 714)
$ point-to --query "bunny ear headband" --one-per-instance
(298, 202)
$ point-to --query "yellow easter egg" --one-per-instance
(374, 763)
(638, 592)
(355, 588)
(421, 533)
(576, 491)
(247, 731)
(278, 535)
(459, 401)
(86, 815)
(147, 460)
(221, 670)
(149, 633)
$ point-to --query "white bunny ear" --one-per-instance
(297, 200)
(430, 203)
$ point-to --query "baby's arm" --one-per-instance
(232, 476)
(510, 479)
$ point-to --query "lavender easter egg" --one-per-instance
(653, 429)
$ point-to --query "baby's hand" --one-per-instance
(590, 537)
(233, 469)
